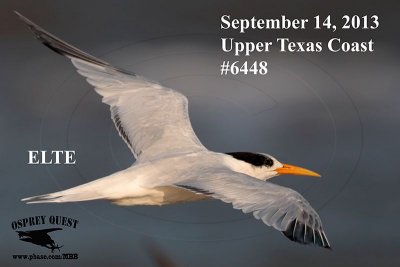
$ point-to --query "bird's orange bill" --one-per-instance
(290, 169)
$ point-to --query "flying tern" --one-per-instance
(172, 165)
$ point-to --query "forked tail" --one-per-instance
(103, 188)
(75, 194)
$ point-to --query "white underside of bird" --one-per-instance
(172, 166)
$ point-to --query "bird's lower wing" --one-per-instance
(153, 120)
(277, 206)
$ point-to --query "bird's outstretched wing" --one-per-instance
(277, 206)
(49, 230)
(153, 120)
(45, 231)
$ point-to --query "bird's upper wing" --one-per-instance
(277, 206)
(41, 231)
(153, 120)
(50, 230)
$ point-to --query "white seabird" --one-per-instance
(171, 164)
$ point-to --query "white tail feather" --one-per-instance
(103, 188)
(63, 196)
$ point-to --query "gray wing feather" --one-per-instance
(152, 120)
(277, 206)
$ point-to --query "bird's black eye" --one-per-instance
(268, 162)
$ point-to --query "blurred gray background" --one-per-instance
(337, 114)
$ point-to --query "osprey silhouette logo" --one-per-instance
(40, 237)
(43, 231)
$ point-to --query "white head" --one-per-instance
(263, 166)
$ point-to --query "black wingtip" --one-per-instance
(57, 45)
(17, 13)
(63, 48)
(24, 19)
(304, 234)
